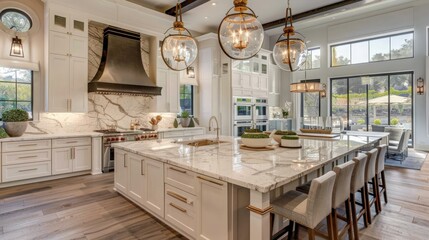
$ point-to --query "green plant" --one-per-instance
(191, 123)
(185, 114)
(290, 137)
(285, 132)
(377, 121)
(360, 122)
(15, 115)
(394, 121)
(255, 136)
(252, 130)
(3, 133)
(175, 123)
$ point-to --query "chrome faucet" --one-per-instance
(216, 128)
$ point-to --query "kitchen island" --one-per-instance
(224, 190)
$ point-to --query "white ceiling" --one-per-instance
(206, 18)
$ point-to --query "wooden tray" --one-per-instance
(267, 148)
(290, 147)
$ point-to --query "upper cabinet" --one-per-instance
(67, 62)
(169, 81)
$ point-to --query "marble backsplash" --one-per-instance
(104, 110)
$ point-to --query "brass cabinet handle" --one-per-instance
(74, 153)
(179, 197)
(23, 157)
(178, 208)
(141, 167)
(177, 170)
(71, 153)
(125, 159)
(28, 145)
(72, 142)
(208, 180)
(27, 170)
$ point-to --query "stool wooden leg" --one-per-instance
(365, 198)
(383, 179)
(354, 219)
(311, 235)
(349, 218)
(271, 224)
(291, 225)
(334, 224)
(376, 187)
(329, 221)
(296, 233)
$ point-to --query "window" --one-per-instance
(16, 20)
(16, 90)
(373, 50)
(365, 101)
(313, 59)
(187, 98)
(310, 106)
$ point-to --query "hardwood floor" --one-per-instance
(83, 207)
(86, 207)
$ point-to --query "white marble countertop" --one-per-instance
(257, 170)
(27, 137)
(368, 134)
(178, 129)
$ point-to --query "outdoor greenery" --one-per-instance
(360, 121)
(15, 115)
(377, 121)
(185, 114)
(15, 89)
(255, 136)
(285, 132)
(394, 121)
(290, 137)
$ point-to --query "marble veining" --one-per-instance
(256, 170)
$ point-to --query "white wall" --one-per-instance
(381, 22)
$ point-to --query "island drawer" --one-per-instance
(71, 142)
(25, 145)
(194, 132)
(180, 209)
(26, 171)
(180, 178)
(11, 158)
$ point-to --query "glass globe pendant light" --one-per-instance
(179, 49)
(290, 51)
(240, 33)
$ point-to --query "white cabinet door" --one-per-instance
(59, 21)
(263, 82)
(173, 91)
(82, 158)
(58, 89)
(246, 81)
(255, 81)
(78, 84)
(161, 101)
(154, 180)
(78, 26)
(121, 171)
(59, 43)
(137, 186)
(78, 46)
(236, 79)
(62, 161)
(212, 208)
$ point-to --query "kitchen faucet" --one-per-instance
(216, 128)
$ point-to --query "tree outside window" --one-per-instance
(187, 98)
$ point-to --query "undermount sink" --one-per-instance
(202, 142)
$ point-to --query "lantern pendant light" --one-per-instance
(290, 51)
(307, 86)
(16, 49)
(179, 49)
(240, 33)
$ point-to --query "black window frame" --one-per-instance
(16, 92)
(186, 93)
(302, 98)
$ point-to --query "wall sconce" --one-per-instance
(420, 86)
(190, 71)
(323, 92)
(16, 50)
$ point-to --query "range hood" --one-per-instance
(121, 69)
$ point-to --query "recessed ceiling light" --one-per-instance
(214, 4)
(206, 17)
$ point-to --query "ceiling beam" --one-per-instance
(310, 13)
(187, 5)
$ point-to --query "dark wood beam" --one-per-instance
(311, 13)
(187, 5)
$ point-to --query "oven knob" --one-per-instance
(136, 138)
(108, 139)
(122, 139)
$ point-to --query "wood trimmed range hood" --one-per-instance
(121, 69)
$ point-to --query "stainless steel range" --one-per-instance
(114, 136)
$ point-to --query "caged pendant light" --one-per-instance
(240, 33)
(290, 51)
(179, 49)
(16, 49)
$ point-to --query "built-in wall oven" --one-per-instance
(261, 109)
(262, 125)
(243, 108)
(240, 126)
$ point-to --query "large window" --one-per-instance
(187, 98)
(373, 50)
(16, 90)
(364, 101)
(313, 59)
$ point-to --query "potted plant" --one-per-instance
(252, 131)
(185, 120)
(394, 121)
(15, 122)
(3, 133)
(291, 141)
(377, 121)
(256, 140)
(279, 134)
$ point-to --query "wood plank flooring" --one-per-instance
(86, 207)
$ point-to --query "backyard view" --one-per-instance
(15, 89)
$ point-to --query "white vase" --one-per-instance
(154, 127)
(15, 129)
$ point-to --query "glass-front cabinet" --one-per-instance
(258, 64)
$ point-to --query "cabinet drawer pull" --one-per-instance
(177, 170)
(178, 197)
(208, 180)
(72, 142)
(125, 158)
(33, 156)
(27, 145)
(178, 208)
(27, 170)
(141, 167)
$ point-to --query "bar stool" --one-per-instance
(370, 179)
(357, 184)
(307, 210)
(379, 174)
(341, 194)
